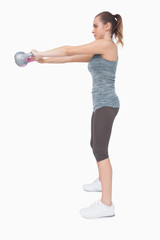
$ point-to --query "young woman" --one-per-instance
(102, 58)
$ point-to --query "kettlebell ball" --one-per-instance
(22, 58)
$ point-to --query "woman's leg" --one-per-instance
(102, 127)
(91, 140)
(105, 176)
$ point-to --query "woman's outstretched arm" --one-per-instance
(67, 59)
(55, 52)
(96, 47)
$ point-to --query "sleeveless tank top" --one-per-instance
(103, 82)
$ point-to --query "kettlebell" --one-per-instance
(22, 58)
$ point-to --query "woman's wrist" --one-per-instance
(41, 60)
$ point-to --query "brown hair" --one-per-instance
(117, 25)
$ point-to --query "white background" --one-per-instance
(45, 118)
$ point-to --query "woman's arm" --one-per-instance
(96, 47)
(55, 52)
(75, 58)
(52, 60)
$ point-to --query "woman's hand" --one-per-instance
(36, 54)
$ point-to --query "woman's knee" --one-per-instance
(100, 154)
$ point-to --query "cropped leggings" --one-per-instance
(101, 126)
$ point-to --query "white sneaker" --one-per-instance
(95, 186)
(98, 210)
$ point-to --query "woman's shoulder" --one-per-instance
(111, 52)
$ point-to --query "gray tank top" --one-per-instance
(103, 82)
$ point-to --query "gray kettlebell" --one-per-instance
(22, 58)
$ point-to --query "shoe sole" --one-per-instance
(92, 191)
(99, 217)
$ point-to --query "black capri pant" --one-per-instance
(101, 127)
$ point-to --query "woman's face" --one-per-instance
(99, 29)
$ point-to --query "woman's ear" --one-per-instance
(107, 26)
